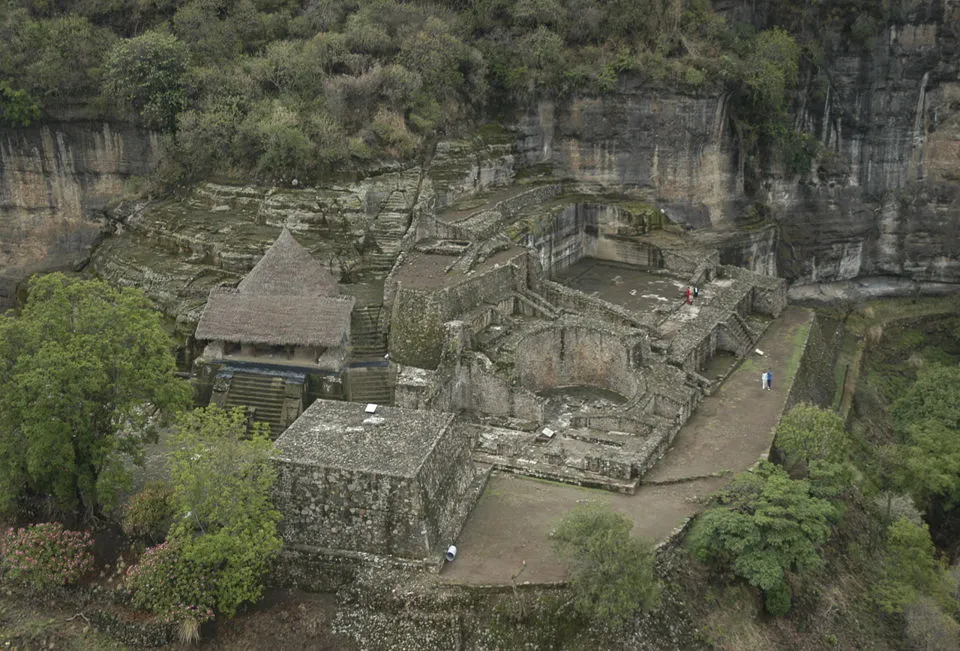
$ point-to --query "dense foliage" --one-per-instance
(611, 573)
(149, 513)
(43, 555)
(86, 370)
(225, 519)
(166, 583)
(763, 526)
(286, 89)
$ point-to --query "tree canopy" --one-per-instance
(225, 519)
(763, 525)
(611, 573)
(86, 371)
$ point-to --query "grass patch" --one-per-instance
(799, 340)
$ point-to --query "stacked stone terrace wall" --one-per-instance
(342, 509)
(443, 480)
(564, 297)
(416, 328)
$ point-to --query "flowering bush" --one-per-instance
(165, 583)
(45, 554)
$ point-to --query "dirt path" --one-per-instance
(508, 533)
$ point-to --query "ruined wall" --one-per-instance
(572, 355)
(55, 179)
(443, 481)
(475, 386)
(418, 315)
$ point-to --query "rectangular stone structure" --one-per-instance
(389, 483)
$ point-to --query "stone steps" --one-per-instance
(374, 384)
(264, 393)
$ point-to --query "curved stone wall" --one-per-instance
(576, 355)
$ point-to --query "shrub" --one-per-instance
(150, 512)
(611, 573)
(777, 600)
(45, 555)
(167, 584)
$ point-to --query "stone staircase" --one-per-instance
(741, 332)
(371, 384)
(368, 339)
(537, 303)
(265, 394)
(387, 232)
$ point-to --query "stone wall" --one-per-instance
(443, 480)
(418, 315)
(334, 509)
(475, 386)
(816, 381)
(55, 181)
(575, 355)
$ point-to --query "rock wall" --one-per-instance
(816, 381)
(885, 200)
(55, 181)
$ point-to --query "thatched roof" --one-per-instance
(275, 320)
(288, 269)
(287, 299)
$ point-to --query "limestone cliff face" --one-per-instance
(55, 180)
(893, 116)
(888, 202)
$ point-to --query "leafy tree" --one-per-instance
(611, 573)
(84, 372)
(926, 419)
(17, 108)
(146, 73)
(66, 57)
(763, 526)
(222, 478)
(910, 568)
(808, 433)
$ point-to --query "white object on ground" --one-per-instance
(758, 351)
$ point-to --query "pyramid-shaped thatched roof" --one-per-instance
(287, 299)
(288, 269)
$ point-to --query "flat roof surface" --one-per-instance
(335, 434)
(429, 270)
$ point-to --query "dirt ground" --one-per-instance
(508, 533)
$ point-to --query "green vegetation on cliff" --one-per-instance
(282, 89)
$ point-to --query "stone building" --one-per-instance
(396, 482)
(282, 323)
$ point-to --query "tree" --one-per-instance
(763, 526)
(225, 519)
(85, 371)
(925, 420)
(17, 108)
(808, 433)
(147, 74)
(910, 568)
(611, 573)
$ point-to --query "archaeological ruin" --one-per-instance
(527, 330)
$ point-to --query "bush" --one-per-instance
(150, 513)
(611, 573)
(167, 584)
(777, 600)
(45, 555)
